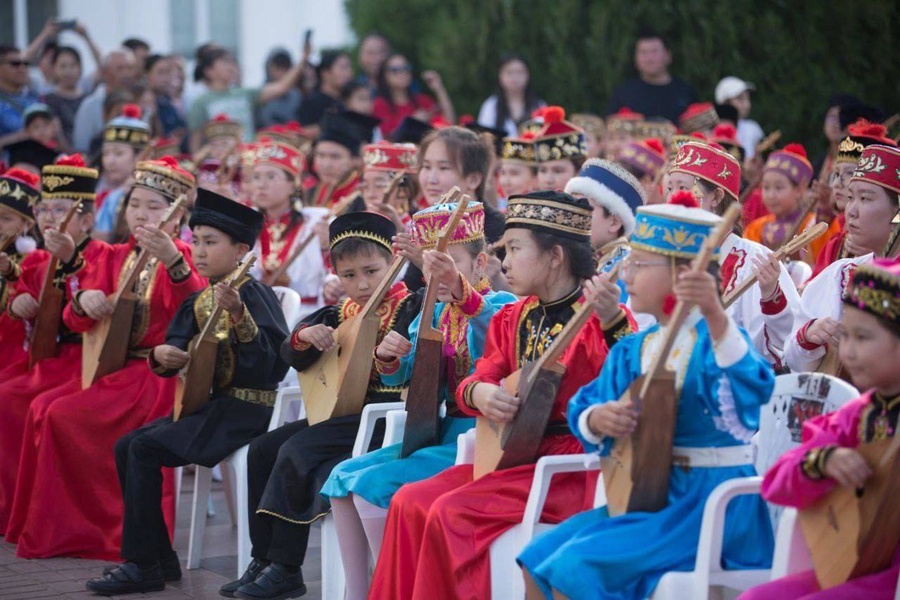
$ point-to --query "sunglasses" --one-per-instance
(403, 69)
(17, 63)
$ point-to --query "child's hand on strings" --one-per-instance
(603, 295)
(495, 403)
(614, 419)
(405, 246)
(170, 357)
(320, 336)
(394, 345)
(847, 467)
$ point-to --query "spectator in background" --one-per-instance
(333, 73)
(161, 81)
(220, 71)
(118, 72)
(397, 100)
(374, 49)
(736, 92)
(44, 48)
(357, 98)
(514, 100)
(141, 51)
(654, 92)
(282, 109)
(15, 96)
(67, 95)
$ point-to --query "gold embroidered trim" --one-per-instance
(262, 511)
(246, 330)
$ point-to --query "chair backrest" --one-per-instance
(796, 397)
(283, 401)
(290, 304)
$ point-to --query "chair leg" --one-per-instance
(332, 571)
(238, 462)
(202, 483)
(228, 477)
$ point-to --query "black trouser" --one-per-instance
(139, 460)
(286, 468)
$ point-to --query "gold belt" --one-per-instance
(264, 397)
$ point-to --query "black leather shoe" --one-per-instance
(253, 570)
(170, 565)
(128, 578)
(274, 583)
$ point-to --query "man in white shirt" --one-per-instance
(736, 92)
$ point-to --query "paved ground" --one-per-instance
(22, 579)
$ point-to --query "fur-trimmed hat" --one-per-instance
(609, 185)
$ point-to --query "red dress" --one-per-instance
(68, 501)
(21, 384)
(391, 116)
(439, 531)
(328, 196)
(12, 329)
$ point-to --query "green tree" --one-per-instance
(797, 53)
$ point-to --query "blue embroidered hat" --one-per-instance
(128, 128)
(607, 184)
(672, 230)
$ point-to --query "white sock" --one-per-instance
(354, 548)
(373, 519)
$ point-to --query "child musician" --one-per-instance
(767, 309)
(360, 489)
(247, 373)
(287, 467)
(45, 521)
(63, 184)
(426, 553)
(275, 170)
(828, 457)
(720, 382)
(874, 203)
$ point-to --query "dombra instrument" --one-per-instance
(499, 446)
(193, 392)
(106, 344)
(851, 533)
(636, 472)
(45, 335)
(428, 377)
(336, 384)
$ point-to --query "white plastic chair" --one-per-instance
(290, 304)
(332, 566)
(796, 396)
(235, 472)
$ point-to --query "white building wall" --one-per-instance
(262, 25)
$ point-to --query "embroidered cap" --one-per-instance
(269, 152)
(609, 185)
(519, 149)
(880, 165)
(862, 134)
(558, 139)
(128, 128)
(19, 192)
(647, 156)
(552, 212)
(363, 225)
(662, 130)
(164, 176)
(214, 210)
(394, 158)
(790, 161)
(624, 121)
(69, 179)
(875, 288)
(710, 164)
(429, 224)
(699, 116)
(673, 229)
(221, 125)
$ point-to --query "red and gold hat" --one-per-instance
(19, 192)
(558, 139)
(880, 165)
(270, 152)
(519, 149)
(662, 130)
(429, 224)
(291, 133)
(679, 139)
(394, 158)
(161, 146)
(624, 121)
(164, 176)
(221, 125)
(648, 156)
(862, 134)
(698, 117)
(710, 164)
(725, 135)
(589, 123)
(791, 161)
